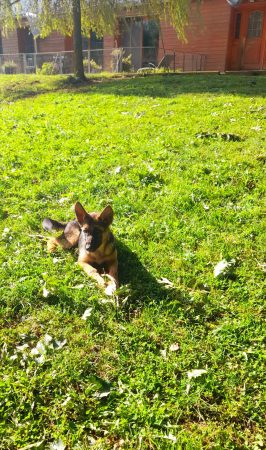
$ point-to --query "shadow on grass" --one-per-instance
(145, 289)
(27, 86)
(139, 288)
(162, 86)
(169, 86)
(137, 283)
(143, 286)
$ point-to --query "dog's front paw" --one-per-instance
(110, 289)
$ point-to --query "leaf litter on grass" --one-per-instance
(186, 208)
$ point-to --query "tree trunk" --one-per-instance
(77, 41)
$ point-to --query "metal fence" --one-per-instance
(127, 59)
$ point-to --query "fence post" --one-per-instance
(61, 63)
(174, 61)
(24, 62)
(35, 61)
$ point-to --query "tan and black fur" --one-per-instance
(91, 234)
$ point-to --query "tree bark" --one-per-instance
(77, 41)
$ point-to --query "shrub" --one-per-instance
(94, 66)
(9, 67)
(48, 68)
(127, 63)
(120, 62)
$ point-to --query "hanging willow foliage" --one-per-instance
(97, 15)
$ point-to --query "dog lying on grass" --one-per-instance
(91, 234)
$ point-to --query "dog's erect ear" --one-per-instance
(106, 216)
(80, 213)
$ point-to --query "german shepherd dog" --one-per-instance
(91, 234)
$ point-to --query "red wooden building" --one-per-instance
(232, 38)
(229, 38)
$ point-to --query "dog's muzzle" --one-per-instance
(88, 243)
(91, 246)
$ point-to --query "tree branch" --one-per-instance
(13, 2)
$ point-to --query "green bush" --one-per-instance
(127, 63)
(9, 67)
(48, 68)
(94, 66)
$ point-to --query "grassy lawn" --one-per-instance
(177, 359)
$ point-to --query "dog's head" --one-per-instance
(93, 226)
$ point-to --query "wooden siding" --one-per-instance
(207, 34)
(55, 42)
(10, 42)
(247, 52)
(108, 45)
(68, 43)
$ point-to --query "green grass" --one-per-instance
(181, 161)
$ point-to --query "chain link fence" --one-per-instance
(126, 59)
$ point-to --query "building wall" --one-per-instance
(207, 34)
(55, 42)
(10, 42)
(108, 44)
(68, 43)
(247, 52)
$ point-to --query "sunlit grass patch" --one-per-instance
(176, 361)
